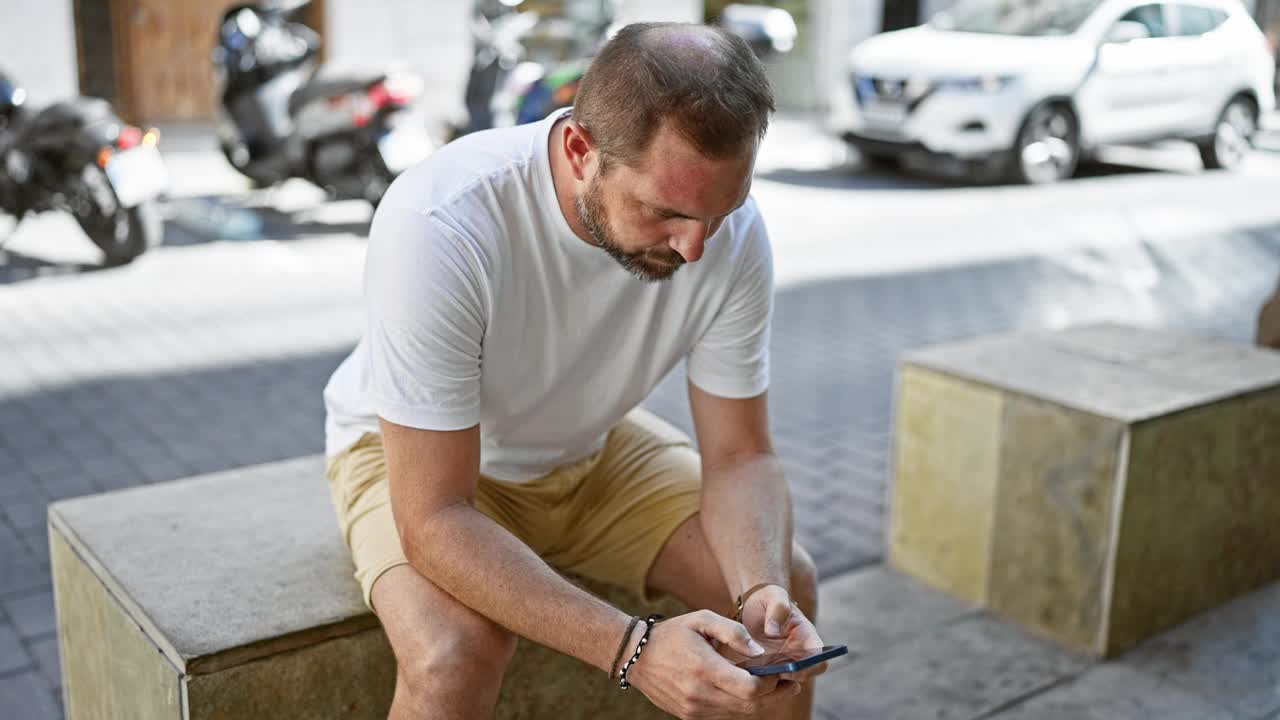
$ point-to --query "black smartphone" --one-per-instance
(788, 662)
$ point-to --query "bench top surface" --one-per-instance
(1115, 371)
(221, 561)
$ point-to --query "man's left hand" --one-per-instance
(780, 627)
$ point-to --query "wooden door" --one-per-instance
(161, 54)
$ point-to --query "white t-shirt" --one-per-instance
(484, 307)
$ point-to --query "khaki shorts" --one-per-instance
(605, 517)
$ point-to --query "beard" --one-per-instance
(646, 264)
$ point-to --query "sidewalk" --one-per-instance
(210, 356)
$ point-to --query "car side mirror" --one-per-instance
(1125, 30)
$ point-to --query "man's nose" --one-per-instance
(692, 240)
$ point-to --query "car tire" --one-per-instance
(1048, 146)
(1232, 135)
(878, 163)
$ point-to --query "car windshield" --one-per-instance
(1016, 17)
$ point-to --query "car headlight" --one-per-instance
(977, 83)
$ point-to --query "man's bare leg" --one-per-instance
(449, 659)
(687, 569)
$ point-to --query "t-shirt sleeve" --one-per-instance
(732, 358)
(426, 304)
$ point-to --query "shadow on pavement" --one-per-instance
(1098, 168)
(857, 177)
(16, 267)
(853, 178)
(196, 220)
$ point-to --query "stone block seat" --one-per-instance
(1096, 484)
(231, 596)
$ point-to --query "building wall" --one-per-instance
(38, 47)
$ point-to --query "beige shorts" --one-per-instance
(605, 517)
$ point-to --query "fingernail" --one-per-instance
(773, 628)
(755, 648)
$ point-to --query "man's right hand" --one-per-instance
(681, 672)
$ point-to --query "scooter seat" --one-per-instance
(329, 88)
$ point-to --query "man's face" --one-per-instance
(657, 216)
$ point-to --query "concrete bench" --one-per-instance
(1097, 484)
(231, 596)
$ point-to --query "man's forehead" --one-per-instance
(676, 176)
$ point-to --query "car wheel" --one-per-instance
(1232, 137)
(1048, 146)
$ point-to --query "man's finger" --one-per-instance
(732, 634)
(742, 684)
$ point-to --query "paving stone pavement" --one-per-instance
(212, 356)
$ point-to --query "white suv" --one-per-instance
(1029, 86)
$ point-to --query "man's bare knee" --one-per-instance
(460, 650)
(447, 655)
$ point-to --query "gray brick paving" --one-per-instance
(45, 652)
(32, 613)
(13, 654)
(19, 568)
(27, 696)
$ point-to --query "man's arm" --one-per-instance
(433, 477)
(746, 506)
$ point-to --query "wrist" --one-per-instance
(764, 589)
(641, 637)
(624, 643)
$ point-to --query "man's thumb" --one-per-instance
(732, 634)
(776, 620)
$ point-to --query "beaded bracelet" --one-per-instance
(623, 645)
(649, 622)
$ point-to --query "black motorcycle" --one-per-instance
(283, 116)
(78, 156)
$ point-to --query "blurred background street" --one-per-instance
(168, 367)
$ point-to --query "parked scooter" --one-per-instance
(78, 156)
(504, 88)
(285, 117)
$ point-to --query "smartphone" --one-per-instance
(789, 662)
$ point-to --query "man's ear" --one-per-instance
(579, 148)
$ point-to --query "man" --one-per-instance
(526, 289)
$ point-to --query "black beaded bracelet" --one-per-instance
(649, 622)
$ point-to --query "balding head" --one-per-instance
(702, 81)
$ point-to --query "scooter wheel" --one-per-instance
(376, 179)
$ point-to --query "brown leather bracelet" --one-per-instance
(742, 599)
(623, 645)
